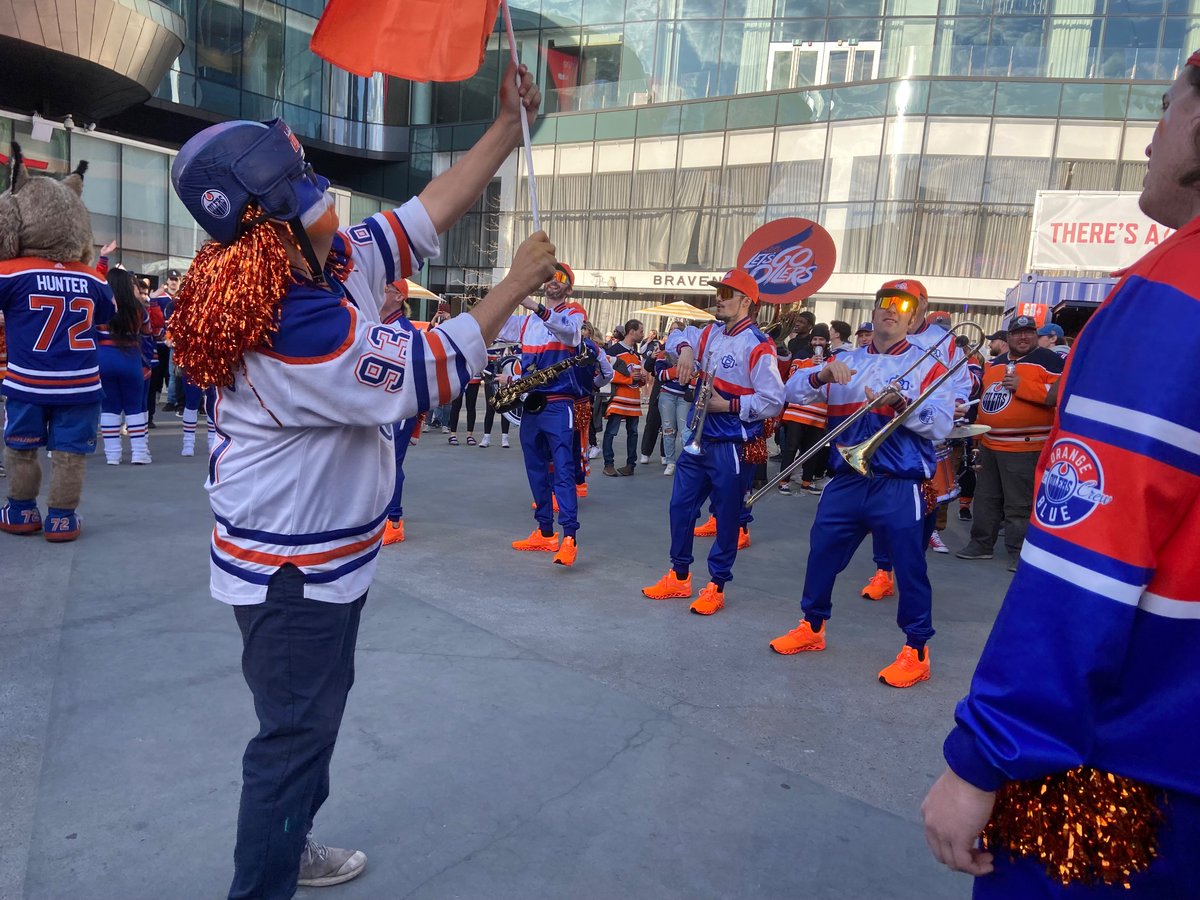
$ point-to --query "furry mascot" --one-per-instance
(51, 298)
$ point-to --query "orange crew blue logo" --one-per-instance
(1072, 486)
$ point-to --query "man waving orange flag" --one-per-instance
(421, 40)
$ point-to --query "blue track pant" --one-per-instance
(402, 433)
(891, 508)
(716, 474)
(548, 437)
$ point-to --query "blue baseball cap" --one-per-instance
(865, 327)
(1051, 329)
(225, 167)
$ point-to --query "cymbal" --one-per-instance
(960, 432)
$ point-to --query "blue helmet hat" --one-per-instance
(225, 167)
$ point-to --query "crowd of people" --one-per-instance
(298, 327)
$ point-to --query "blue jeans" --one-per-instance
(298, 661)
(611, 426)
(673, 410)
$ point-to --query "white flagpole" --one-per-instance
(533, 197)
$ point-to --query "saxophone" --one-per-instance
(509, 395)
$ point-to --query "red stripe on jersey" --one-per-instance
(1144, 494)
(728, 387)
(542, 348)
(1175, 573)
(1174, 269)
(403, 252)
(298, 559)
(27, 264)
(936, 371)
(766, 348)
(90, 380)
(439, 358)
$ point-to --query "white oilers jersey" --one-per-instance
(303, 468)
(745, 371)
(908, 452)
(947, 353)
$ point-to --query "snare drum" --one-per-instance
(943, 478)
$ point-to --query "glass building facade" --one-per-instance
(916, 131)
(249, 59)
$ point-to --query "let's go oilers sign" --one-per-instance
(791, 259)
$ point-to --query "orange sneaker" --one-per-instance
(711, 600)
(581, 490)
(537, 541)
(393, 533)
(907, 670)
(799, 639)
(882, 584)
(566, 553)
(669, 586)
(708, 529)
(743, 538)
(553, 502)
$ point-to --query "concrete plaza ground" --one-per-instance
(517, 730)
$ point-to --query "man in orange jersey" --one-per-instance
(626, 404)
(1014, 404)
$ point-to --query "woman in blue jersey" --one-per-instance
(122, 372)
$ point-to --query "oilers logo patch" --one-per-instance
(215, 203)
(1072, 485)
(995, 398)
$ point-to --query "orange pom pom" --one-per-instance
(229, 303)
(1083, 825)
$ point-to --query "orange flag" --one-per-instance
(421, 40)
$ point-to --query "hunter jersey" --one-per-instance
(742, 363)
(1102, 620)
(546, 341)
(303, 469)
(50, 312)
(908, 453)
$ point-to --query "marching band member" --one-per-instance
(395, 312)
(282, 312)
(890, 503)
(746, 389)
(547, 337)
(927, 330)
(591, 379)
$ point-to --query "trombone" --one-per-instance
(858, 456)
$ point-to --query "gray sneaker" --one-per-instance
(974, 551)
(321, 866)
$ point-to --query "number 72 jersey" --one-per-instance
(50, 313)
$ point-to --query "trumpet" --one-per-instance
(858, 456)
(509, 395)
(693, 447)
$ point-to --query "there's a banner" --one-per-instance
(1090, 231)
